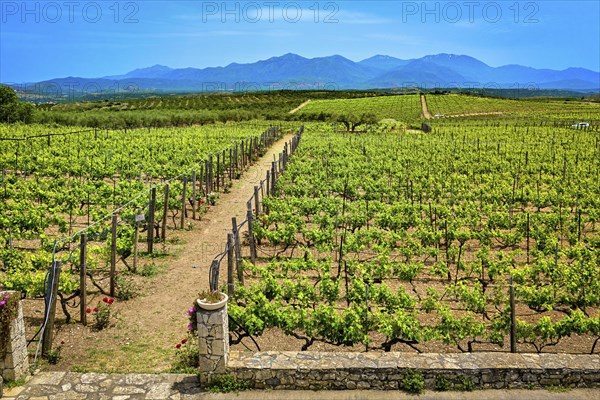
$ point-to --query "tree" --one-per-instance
(11, 109)
(352, 121)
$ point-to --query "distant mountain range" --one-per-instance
(292, 71)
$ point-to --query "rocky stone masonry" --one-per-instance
(14, 362)
(72, 386)
(325, 370)
(213, 340)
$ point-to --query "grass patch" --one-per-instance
(15, 383)
(136, 357)
(557, 388)
(227, 383)
(152, 269)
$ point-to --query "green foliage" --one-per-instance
(188, 356)
(11, 109)
(125, 287)
(150, 270)
(227, 383)
(413, 381)
(441, 383)
(465, 383)
(102, 313)
(430, 224)
(9, 309)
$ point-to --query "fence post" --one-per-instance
(151, 219)
(268, 179)
(183, 201)
(113, 254)
(238, 252)
(251, 235)
(163, 233)
(51, 295)
(513, 320)
(194, 194)
(206, 175)
(256, 201)
(82, 278)
(273, 176)
(230, 283)
(230, 164)
(218, 171)
(223, 169)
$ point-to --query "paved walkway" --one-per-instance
(69, 385)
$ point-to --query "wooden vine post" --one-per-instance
(113, 254)
(82, 278)
(230, 282)
(251, 234)
(163, 232)
(237, 250)
(151, 208)
(51, 294)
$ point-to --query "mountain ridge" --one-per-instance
(338, 72)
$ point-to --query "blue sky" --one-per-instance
(47, 39)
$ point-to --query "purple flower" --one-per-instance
(190, 326)
(2, 303)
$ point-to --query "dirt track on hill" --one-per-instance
(424, 109)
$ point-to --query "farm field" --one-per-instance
(539, 110)
(408, 242)
(405, 108)
(387, 239)
(58, 181)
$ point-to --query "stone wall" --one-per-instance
(329, 370)
(213, 340)
(14, 362)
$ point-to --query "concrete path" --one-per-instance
(93, 386)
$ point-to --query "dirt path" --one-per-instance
(473, 114)
(149, 326)
(300, 106)
(424, 108)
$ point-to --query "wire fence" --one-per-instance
(233, 248)
(112, 243)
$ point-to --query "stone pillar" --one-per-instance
(14, 362)
(213, 340)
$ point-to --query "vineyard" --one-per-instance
(405, 108)
(411, 242)
(481, 235)
(528, 111)
(58, 183)
(185, 110)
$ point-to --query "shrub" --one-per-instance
(227, 383)
(413, 381)
(441, 383)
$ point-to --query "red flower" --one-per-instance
(88, 310)
(184, 341)
(178, 345)
(62, 342)
(95, 309)
(105, 299)
(111, 300)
